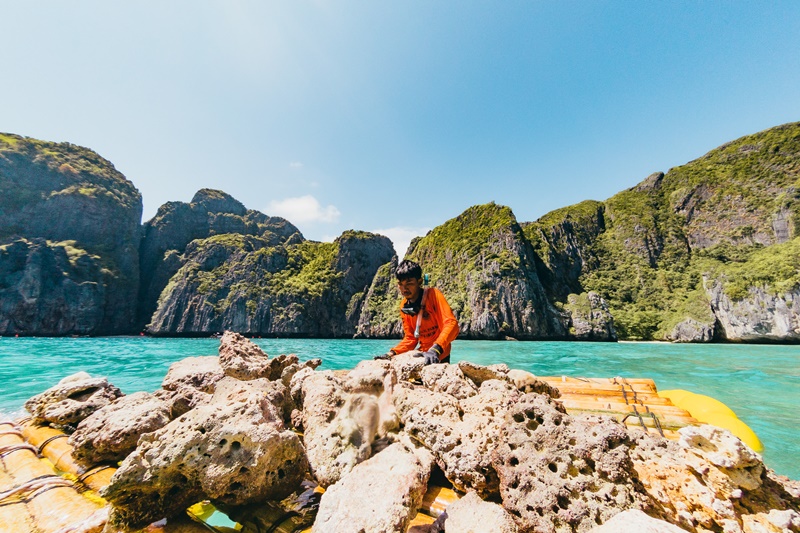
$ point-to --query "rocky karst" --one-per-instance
(706, 251)
(64, 269)
(254, 286)
(486, 267)
(374, 438)
(176, 224)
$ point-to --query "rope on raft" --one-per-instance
(34, 487)
(51, 439)
(92, 471)
(636, 401)
(11, 448)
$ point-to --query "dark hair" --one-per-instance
(408, 270)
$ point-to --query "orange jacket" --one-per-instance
(439, 326)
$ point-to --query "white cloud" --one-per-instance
(303, 209)
(401, 237)
(295, 164)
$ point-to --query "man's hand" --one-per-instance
(384, 356)
(432, 355)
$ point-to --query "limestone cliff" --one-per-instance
(563, 240)
(486, 269)
(379, 313)
(70, 270)
(759, 316)
(49, 288)
(176, 224)
(251, 285)
(707, 251)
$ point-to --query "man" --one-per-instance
(428, 320)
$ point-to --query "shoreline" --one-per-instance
(747, 342)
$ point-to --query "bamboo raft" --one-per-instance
(43, 490)
(634, 402)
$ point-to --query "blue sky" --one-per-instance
(396, 116)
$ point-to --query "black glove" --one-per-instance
(384, 356)
(432, 355)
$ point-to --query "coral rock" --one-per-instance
(563, 473)
(461, 435)
(711, 481)
(636, 521)
(379, 495)
(71, 400)
(471, 514)
(243, 359)
(111, 432)
(527, 382)
(479, 373)
(448, 379)
(200, 373)
(234, 451)
(182, 400)
(408, 365)
(368, 376)
(339, 427)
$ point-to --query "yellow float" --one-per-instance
(710, 411)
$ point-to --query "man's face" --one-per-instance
(410, 288)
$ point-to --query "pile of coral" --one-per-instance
(244, 428)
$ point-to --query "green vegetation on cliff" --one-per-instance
(737, 192)
(228, 267)
(309, 271)
(486, 268)
(667, 258)
(61, 192)
(774, 268)
(47, 169)
(246, 283)
(383, 303)
(730, 216)
(459, 252)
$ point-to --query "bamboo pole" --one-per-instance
(14, 515)
(53, 445)
(637, 385)
(669, 411)
(51, 504)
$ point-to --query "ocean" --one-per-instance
(761, 383)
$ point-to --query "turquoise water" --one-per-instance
(760, 383)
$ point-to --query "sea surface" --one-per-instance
(761, 383)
